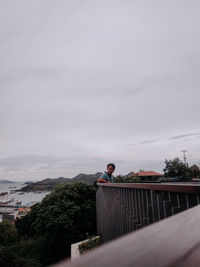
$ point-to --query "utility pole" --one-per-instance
(184, 156)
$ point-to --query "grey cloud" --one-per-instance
(145, 142)
(35, 166)
(184, 136)
(78, 78)
(27, 163)
(176, 137)
(150, 82)
(148, 142)
(66, 167)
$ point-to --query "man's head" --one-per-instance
(110, 168)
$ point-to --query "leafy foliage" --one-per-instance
(89, 244)
(65, 216)
(8, 234)
(195, 171)
(176, 168)
(15, 253)
(127, 179)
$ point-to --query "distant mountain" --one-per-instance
(87, 178)
(5, 182)
(55, 180)
(49, 183)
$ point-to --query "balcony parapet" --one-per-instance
(174, 242)
(127, 207)
(187, 188)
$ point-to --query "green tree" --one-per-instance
(176, 168)
(8, 234)
(195, 171)
(15, 253)
(11, 256)
(65, 216)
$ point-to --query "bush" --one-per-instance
(65, 216)
(8, 234)
(89, 244)
(127, 179)
(15, 253)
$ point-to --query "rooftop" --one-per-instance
(149, 173)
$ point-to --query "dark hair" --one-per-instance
(111, 164)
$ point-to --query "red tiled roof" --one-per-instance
(149, 173)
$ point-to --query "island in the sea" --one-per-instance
(5, 182)
(50, 183)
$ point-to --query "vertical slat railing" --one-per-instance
(173, 242)
(123, 208)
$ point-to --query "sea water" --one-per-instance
(27, 199)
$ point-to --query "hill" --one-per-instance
(5, 182)
(87, 178)
(49, 183)
(59, 180)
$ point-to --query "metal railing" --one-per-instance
(173, 242)
(123, 208)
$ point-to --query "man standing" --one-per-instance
(107, 176)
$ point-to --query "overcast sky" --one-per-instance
(85, 82)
